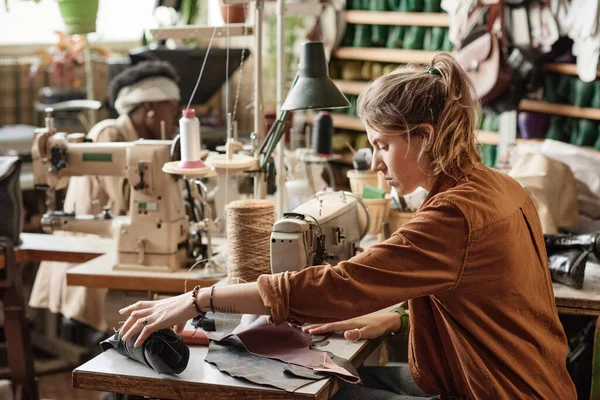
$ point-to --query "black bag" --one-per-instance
(11, 210)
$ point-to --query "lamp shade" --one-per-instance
(313, 90)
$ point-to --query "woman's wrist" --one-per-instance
(401, 322)
(203, 299)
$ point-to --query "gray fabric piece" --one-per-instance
(236, 361)
(383, 383)
(163, 351)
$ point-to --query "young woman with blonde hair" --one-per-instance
(471, 262)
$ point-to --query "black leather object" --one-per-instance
(568, 266)
(589, 242)
(163, 351)
(11, 210)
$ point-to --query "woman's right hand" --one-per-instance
(368, 326)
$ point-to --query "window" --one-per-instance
(28, 22)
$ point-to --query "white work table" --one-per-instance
(113, 372)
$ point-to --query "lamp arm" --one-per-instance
(273, 137)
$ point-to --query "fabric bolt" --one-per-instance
(163, 351)
(285, 343)
(232, 358)
(50, 290)
(483, 320)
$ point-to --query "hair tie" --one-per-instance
(432, 70)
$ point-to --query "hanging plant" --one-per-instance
(79, 16)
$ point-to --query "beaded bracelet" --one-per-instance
(403, 319)
(194, 297)
(212, 289)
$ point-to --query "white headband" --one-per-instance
(147, 90)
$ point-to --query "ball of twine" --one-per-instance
(249, 226)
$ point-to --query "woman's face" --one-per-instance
(168, 111)
(399, 162)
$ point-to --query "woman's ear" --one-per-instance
(428, 134)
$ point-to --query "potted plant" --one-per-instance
(79, 15)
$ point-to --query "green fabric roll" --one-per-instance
(551, 84)
(352, 109)
(557, 130)
(434, 38)
(490, 123)
(378, 5)
(488, 154)
(586, 133)
(362, 36)
(415, 5)
(563, 89)
(433, 6)
(596, 98)
(447, 46)
(581, 93)
(379, 35)
(356, 4)
(414, 38)
(395, 37)
(394, 5)
(597, 144)
(348, 35)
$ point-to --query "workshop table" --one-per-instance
(99, 273)
(73, 249)
(112, 372)
(585, 301)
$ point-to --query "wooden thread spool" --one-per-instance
(249, 226)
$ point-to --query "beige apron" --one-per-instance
(50, 290)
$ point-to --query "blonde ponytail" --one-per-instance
(441, 95)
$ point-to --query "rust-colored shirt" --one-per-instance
(473, 264)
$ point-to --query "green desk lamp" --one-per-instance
(312, 90)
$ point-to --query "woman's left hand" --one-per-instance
(150, 316)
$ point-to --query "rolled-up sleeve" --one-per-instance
(425, 257)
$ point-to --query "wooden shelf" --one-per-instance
(384, 55)
(560, 109)
(350, 87)
(397, 18)
(563, 68)
(341, 121)
(201, 31)
(349, 122)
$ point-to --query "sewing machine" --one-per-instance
(156, 234)
(325, 229)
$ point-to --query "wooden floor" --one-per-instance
(58, 387)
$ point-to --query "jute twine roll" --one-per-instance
(249, 226)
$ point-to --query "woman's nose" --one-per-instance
(376, 164)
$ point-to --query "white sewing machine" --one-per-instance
(155, 235)
(326, 229)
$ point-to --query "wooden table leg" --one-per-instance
(595, 389)
(16, 331)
